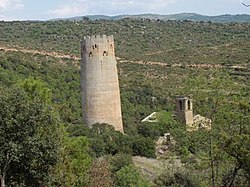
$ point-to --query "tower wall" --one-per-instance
(99, 82)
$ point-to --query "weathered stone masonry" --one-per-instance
(99, 82)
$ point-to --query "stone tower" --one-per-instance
(99, 82)
(184, 108)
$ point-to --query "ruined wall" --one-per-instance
(99, 82)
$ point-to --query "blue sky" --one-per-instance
(47, 9)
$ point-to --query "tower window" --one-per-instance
(90, 54)
(105, 53)
(96, 46)
(181, 105)
(189, 105)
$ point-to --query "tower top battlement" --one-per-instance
(99, 43)
(98, 38)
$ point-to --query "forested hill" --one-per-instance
(226, 18)
(172, 42)
(157, 60)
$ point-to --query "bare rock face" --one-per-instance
(99, 82)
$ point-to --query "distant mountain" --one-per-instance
(227, 18)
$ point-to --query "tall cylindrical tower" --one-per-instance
(99, 82)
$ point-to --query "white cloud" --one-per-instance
(129, 6)
(74, 8)
(2, 17)
(6, 18)
(7, 5)
(109, 7)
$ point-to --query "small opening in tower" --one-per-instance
(84, 48)
(93, 47)
(189, 105)
(96, 46)
(105, 53)
(90, 54)
(181, 105)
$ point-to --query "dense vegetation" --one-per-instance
(81, 156)
(170, 41)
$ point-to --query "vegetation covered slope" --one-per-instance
(165, 41)
(158, 60)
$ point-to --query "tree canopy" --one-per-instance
(29, 138)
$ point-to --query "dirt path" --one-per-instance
(76, 59)
(170, 50)
(160, 52)
(215, 66)
(46, 53)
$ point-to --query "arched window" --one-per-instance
(189, 105)
(181, 105)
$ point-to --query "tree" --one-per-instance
(29, 139)
(74, 162)
(120, 160)
(143, 147)
(129, 176)
(36, 89)
(238, 147)
(247, 5)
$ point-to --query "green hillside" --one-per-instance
(162, 41)
(157, 59)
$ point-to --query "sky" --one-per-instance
(49, 9)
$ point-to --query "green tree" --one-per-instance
(143, 146)
(74, 162)
(120, 160)
(29, 139)
(36, 89)
(129, 176)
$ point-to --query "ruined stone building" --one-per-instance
(184, 109)
(99, 82)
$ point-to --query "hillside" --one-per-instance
(156, 59)
(169, 53)
(172, 42)
(227, 18)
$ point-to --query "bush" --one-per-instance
(120, 160)
(143, 147)
(129, 176)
